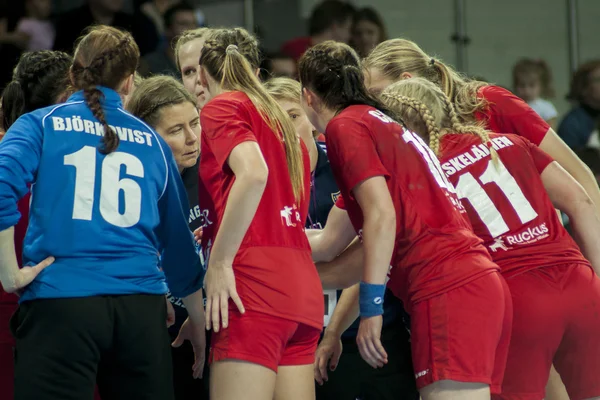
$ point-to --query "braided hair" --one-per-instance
(105, 56)
(427, 111)
(39, 80)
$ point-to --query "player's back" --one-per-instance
(273, 266)
(506, 202)
(435, 249)
(95, 213)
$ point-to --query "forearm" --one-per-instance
(345, 270)
(194, 305)
(316, 239)
(345, 313)
(586, 178)
(242, 203)
(8, 259)
(378, 237)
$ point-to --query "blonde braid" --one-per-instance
(425, 116)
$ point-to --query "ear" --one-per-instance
(257, 73)
(127, 86)
(309, 97)
(406, 75)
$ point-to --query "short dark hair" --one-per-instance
(169, 15)
(327, 13)
(369, 14)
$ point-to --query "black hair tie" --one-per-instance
(432, 61)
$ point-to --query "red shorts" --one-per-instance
(556, 320)
(463, 335)
(265, 340)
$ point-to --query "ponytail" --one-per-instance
(228, 56)
(13, 103)
(238, 75)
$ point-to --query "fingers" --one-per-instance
(224, 310)
(335, 359)
(208, 313)
(321, 366)
(237, 301)
(367, 351)
(178, 341)
(381, 353)
(40, 267)
(198, 367)
(214, 313)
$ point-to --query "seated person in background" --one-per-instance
(277, 65)
(532, 81)
(330, 20)
(579, 128)
(368, 31)
(178, 19)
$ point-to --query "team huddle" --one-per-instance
(448, 190)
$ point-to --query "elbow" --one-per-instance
(256, 177)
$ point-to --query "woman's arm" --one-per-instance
(559, 151)
(570, 197)
(345, 270)
(330, 241)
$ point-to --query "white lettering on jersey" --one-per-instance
(78, 124)
(475, 154)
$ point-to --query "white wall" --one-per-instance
(501, 32)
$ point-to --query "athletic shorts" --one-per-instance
(463, 335)
(556, 320)
(265, 340)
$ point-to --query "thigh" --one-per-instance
(138, 365)
(295, 382)
(59, 342)
(186, 387)
(453, 390)
(458, 335)
(536, 333)
(235, 379)
(255, 337)
(578, 357)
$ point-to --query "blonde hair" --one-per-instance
(395, 56)
(426, 109)
(229, 56)
(186, 37)
(286, 89)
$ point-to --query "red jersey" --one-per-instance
(295, 48)
(274, 270)
(435, 249)
(506, 112)
(508, 206)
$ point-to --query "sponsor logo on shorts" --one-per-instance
(421, 374)
(528, 236)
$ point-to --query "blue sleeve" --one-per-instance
(20, 153)
(180, 261)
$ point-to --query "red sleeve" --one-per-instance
(352, 150)
(339, 203)
(225, 124)
(507, 113)
(541, 159)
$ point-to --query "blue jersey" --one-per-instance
(323, 195)
(105, 218)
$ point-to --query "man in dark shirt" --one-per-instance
(72, 24)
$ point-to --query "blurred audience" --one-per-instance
(532, 81)
(330, 20)
(72, 24)
(34, 30)
(177, 19)
(155, 11)
(368, 31)
(276, 65)
(579, 128)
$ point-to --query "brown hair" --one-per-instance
(186, 37)
(581, 81)
(332, 70)
(527, 68)
(104, 57)
(396, 56)
(429, 112)
(155, 93)
(231, 56)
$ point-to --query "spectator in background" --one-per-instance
(277, 65)
(368, 31)
(72, 24)
(532, 81)
(330, 20)
(155, 11)
(177, 19)
(34, 31)
(579, 128)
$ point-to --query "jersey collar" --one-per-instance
(111, 98)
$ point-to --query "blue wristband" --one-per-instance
(371, 299)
